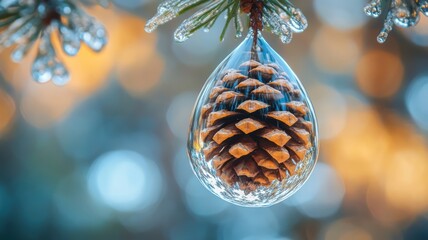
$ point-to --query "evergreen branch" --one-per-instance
(231, 14)
(192, 6)
(399, 13)
(279, 16)
(23, 23)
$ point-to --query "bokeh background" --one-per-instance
(104, 157)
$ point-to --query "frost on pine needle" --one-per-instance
(31, 23)
(402, 13)
(278, 16)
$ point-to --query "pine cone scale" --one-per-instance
(249, 125)
(256, 131)
(226, 133)
(275, 135)
(251, 106)
(283, 116)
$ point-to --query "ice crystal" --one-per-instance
(279, 17)
(402, 13)
(23, 22)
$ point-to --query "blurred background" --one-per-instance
(104, 157)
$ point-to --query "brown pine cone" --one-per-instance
(256, 130)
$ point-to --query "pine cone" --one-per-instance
(256, 130)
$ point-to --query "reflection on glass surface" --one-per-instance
(253, 137)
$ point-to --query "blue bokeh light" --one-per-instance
(125, 181)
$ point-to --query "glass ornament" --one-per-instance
(253, 138)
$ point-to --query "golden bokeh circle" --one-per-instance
(379, 74)
(7, 112)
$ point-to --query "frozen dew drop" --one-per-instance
(202, 17)
(387, 27)
(285, 39)
(238, 25)
(164, 14)
(69, 40)
(48, 67)
(181, 35)
(91, 32)
(166, 6)
(404, 16)
(95, 36)
(383, 35)
(70, 48)
(286, 34)
(208, 27)
(167, 11)
(373, 9)
(18, 54)
(297, 21)
(151, 25)
(60, 74)
(41, 71)
(43, 66)
(423, 6)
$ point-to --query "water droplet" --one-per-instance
(297, 21)
(202, 17)
(90, 31)
(46, 66)
(60, 74)
(95, 36)
(69, 40)
(381, 38)
(282, 25)
(373, 9)
(181, 35)
(286, 34)
(253, 137)
(209, 25)
(41, 71)
(167, 11)
(238, 25)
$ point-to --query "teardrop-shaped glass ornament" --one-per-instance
(253, 137)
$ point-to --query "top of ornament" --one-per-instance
(279, 17)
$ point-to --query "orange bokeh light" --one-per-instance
(43, 105)
(7, 111)
(336, 51)
(347, 229)
(382, 155)
(138, 66)
(379, 74)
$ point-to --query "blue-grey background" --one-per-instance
(104, 157)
